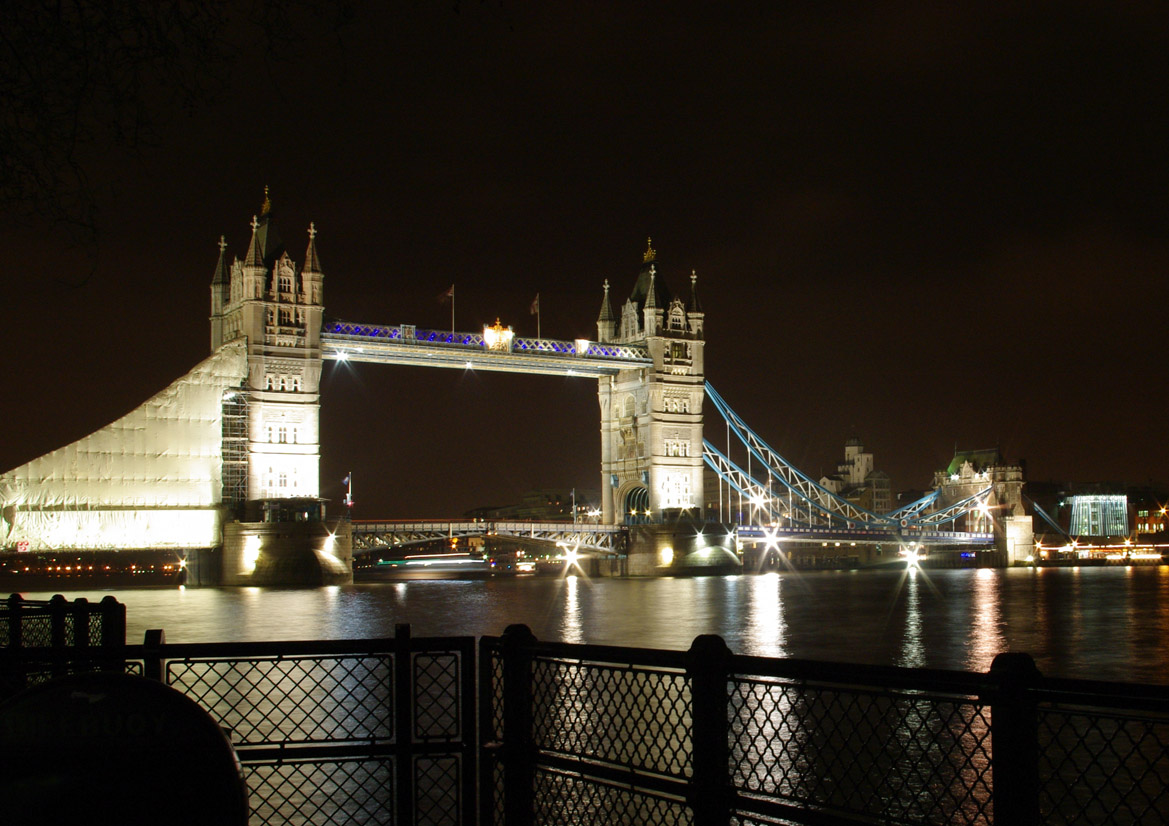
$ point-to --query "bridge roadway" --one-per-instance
(493, 349)
(762, 533)
(603, 539)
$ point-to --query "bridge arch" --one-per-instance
(635, 505)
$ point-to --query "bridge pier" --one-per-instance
(287, 553)
(681, 547)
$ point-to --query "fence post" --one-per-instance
(15, 620)
(113, 633)
(113, 622)
(1014, 740)
(707, 667)
(58, 608)
(152, 643)
(403, 726)
(81, 623)
(519, 748)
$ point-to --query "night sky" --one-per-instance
(926, 225)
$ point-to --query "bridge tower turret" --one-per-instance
(651, 418)
(277, 307)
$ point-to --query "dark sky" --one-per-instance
(927, 225)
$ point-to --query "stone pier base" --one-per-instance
(287, 553)
(682, 547)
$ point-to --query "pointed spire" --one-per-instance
(255, 256)
(695, 304)
(651, 295)
(311, 262)
(606, 306)
(220, 276)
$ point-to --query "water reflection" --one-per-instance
(986, 639)
(912, 649)
(570, 626)
(766, 625)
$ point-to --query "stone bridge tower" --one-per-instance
(1004, 514)
(651, 418)
(277, 308)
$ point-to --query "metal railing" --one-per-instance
(595, 734)
(334, 731)
(384, 731)
(58, 623)
(42, 639)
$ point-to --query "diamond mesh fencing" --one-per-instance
(570, 798)
(36, 631)
(321, 792)
(382, 735)
(635, 718)
(281, 700)
(902, 757)
(1100, 766)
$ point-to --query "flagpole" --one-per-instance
(452, 313)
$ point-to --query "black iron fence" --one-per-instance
(577, 734)
(384, 731)
(348, 731)
(58, 623)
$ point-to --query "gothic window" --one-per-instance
(300, 316)
(285, 282)
(271, 316)
(283, 480)
(294, 435)
(269, 384)
(675, 489)
(285, 316)
(282, 434)
(683, 405)
(296, 384)
(271, 436)
(630, 407)
(677, 317)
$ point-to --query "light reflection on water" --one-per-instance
(1099, 623)
(986, 637)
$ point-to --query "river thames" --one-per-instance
(1106, 623)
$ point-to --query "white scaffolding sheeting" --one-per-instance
(153, 478)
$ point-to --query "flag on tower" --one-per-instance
(535, 308)
(447, 294)
(345, 481)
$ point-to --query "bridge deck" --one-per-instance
(759, 533)
(404, 344)
(380, 534)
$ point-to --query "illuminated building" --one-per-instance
(651, 419)
(233, 442)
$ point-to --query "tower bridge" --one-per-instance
(225, 461)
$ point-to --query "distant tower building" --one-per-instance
(275, 306)
(856, 481)
(651, 418)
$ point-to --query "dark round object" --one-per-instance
(112, 748)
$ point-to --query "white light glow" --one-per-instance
(250, 555)
(667, 555)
